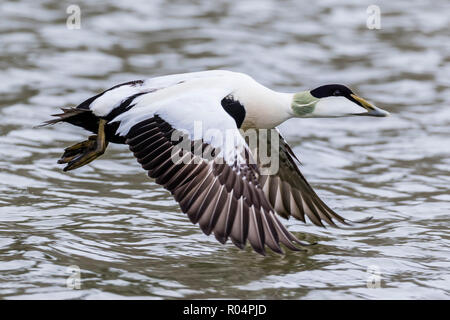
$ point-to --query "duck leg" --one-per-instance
(84, 152)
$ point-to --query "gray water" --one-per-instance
(128, 236)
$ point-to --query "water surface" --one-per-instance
(128, 236)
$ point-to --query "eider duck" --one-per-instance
(220, 185)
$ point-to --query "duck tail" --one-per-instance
(66, 116)
(79, 117)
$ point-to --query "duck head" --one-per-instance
(332, 100)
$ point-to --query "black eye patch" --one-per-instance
(331, 90)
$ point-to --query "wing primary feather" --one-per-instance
(225, 222)
(256, 231)
(216, 209)
(270, 233)
(210, 194)
(290, 193)
(149, 143)
(224, 198)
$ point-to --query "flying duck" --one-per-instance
(221, 186)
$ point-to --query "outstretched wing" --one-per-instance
(288, 191)
(215, 185)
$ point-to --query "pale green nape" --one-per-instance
(303, 103)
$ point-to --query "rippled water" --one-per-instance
(127, 235)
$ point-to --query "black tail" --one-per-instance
(78, 117)
(84, 118)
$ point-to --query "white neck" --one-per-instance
(264, 107)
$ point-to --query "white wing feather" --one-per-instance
(189, 103)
